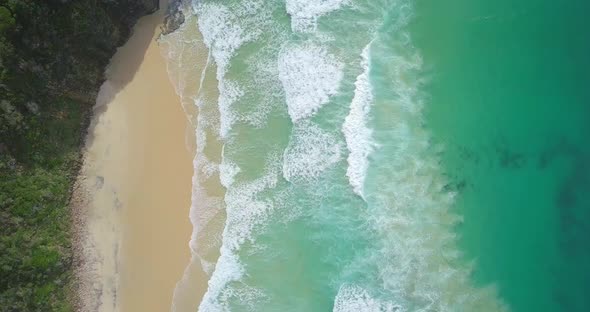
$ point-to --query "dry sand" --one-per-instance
(134, 189)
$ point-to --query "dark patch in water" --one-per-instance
(573, 204)
(508, 158)
(560, 149)
(570, 197)
(457, 186)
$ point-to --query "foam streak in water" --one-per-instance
(229, 93)
(310, 152)
(355, 129)
(305, 13)
(310, 76)
(221, 33)
(245, 211)
(356, 299)
(225, 29)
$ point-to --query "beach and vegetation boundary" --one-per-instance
(52, 60)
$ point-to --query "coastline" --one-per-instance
(181, 44)
(131, 200)
(45, 112)
(313, 236)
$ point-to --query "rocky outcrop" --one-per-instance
(174, 17)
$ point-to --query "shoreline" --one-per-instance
(131, 200)
(182, 45)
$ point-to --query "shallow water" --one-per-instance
(385, 155)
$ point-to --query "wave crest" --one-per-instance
(355, 129)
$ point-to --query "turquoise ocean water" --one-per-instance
(510, 102)
(392, 155)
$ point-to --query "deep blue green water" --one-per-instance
(510, 103)
(393, 155)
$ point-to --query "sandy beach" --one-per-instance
(134, 190)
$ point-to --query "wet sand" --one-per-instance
(187, 57)
(136, 179)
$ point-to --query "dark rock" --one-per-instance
(174, 17)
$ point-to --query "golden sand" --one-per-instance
(137, 174)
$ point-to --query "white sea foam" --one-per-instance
(227, 172)
(266, 92)
(221, 32)
(225, 29)
(223, 36)
(246, 210)
(228, 269)
(310, 152)
(310, 76)
(305, 13)
(351, 298)
(221, 290)
(229, 93)
(355, 129)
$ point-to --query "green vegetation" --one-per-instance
(52, 59)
